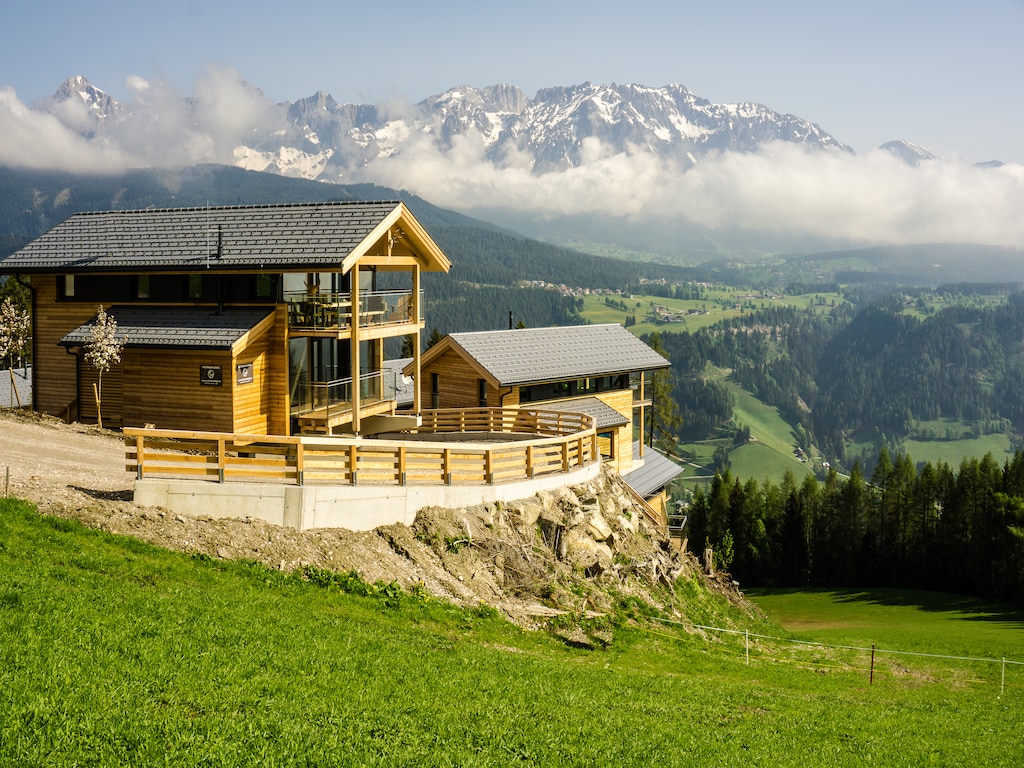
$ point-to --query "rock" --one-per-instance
(598, 527)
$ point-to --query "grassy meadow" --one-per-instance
(114, 652)
(924, 635)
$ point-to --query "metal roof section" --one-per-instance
(532, 355)
(606, 416)
(16, 388)
(652, 472)
(405, 386)
(176, 327)
(226, 238)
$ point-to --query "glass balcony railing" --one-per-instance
(331, 399)
(333, 311)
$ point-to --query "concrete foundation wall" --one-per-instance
(354, 507)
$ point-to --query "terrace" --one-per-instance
(456, 457)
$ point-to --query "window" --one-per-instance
(142, 287)
(195, 287)
(264, 287)
(481, 392)
(69, 286)
(435, 390)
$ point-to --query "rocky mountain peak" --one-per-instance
(908, 152)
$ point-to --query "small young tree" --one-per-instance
(103, 350)
(15, 334)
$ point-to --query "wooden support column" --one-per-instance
(641, 409)
(418, 378)
(355, 361)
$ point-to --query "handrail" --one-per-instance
(333, 310)
(649, 512)
(561, 443)
(335, 395)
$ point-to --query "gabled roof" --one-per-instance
(290, 236)
(655, 473)
(179, 327)
(533, 355)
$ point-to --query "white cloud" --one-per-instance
(34, 139)
(870, 199)
(782, 190)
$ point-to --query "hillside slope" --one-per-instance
(580, 550)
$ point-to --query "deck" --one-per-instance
(496, 446)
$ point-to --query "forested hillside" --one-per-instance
(929, 527)
(483, 255)
(843, 375)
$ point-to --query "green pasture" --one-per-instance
(719, 304)
(904, 620)
(769, 454)
(950, 452)
(116, 653)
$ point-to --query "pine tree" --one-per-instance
(665, 421)
(435, 336)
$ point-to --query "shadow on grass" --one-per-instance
(967, 608)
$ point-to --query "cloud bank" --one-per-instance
(872, 198)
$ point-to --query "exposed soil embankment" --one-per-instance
(577, 550)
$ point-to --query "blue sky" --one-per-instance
(946, 75)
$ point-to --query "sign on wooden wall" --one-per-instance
(243, 373)
(211, 376)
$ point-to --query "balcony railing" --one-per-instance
(329, 400)
(333, 311)
(553, 443)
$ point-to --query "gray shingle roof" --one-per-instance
(605, 415)
(530, 355)
(197, 328)
(21, 392)
(657, 471)
(222, 238)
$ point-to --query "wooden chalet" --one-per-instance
(598, 370)
(243, 319)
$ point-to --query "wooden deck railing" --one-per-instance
(500, 446)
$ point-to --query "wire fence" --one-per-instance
(873, 662)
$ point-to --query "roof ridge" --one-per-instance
(238, 207)
(539, 328)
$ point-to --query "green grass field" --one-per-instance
(932, 635)
(954, 451)
(113, 652)
(719, 304)
(769, 455)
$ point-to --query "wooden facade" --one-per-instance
(215, 307)
(451, 377)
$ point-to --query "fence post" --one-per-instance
(139, 443)
(871, 680)
(747, 644)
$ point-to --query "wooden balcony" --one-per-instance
(330, 404)
(331, 314)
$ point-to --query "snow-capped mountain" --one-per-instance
(908, 152)
(83, 107)
(316, 137)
